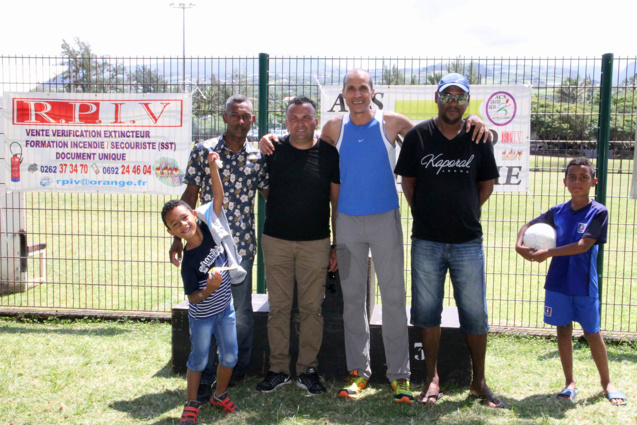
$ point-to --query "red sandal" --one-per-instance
(189, 415)
(224, 403)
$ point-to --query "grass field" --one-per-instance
(109, 252)
(92, 372)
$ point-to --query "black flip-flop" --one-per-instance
(486, 399)
(423, 397)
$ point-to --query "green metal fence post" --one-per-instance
(603, 142)
(263, 127)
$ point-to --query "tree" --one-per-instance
(209, 103)
(555, 121)
(209, 98)
(86, 73)
(630, 81)
(622, 123)
(574, 90)
(628, 87)
(434, 78)
(147, 80)
(393, 76)
(459, 66)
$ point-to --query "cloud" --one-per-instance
(497, 36)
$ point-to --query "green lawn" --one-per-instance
(91, 372)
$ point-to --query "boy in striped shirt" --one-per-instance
(210, 265)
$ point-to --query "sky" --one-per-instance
(387, 28)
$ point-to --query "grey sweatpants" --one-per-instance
(356, 235)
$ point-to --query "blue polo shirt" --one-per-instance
(575, 275)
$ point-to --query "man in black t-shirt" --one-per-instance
(304, 182)
(446, 178)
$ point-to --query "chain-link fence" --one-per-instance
(108, 253)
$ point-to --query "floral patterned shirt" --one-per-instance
(243, 173)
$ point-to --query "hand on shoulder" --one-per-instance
(481, 131)
(266, 144)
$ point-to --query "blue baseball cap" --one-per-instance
(453, 79)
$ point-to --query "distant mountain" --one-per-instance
(331, 71)
(626, 72)
(199, 71)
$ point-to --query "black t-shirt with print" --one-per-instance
(446, 204)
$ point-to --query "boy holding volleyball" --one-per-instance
(571, 283)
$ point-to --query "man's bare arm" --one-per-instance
(332, 130)
(396, 124)
(334, 191)
(485, 188)
(409, 185)
(190, 195)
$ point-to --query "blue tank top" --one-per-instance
(367, 161)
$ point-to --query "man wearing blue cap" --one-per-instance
(446, 180)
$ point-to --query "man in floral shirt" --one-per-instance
(243, 173)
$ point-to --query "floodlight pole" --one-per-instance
(183, 7)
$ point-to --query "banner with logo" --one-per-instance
(505, 108)
(102, 142)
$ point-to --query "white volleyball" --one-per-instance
(540, 236)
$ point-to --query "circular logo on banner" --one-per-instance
(501, 108)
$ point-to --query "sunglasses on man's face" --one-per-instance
(461, 99)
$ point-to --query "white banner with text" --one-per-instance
(505, 108)
(99, 142)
